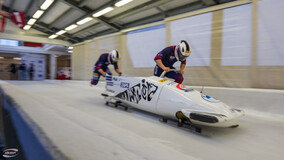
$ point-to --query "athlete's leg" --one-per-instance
(175, 75)
(96, 78)
(108, 71)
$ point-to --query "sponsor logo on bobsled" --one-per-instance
(141, 91)
(124, 85)
(163, 80)
(210, 99)
(10, 153)
(109, 83)
(111, 91)
(109, 78)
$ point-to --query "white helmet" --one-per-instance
(114, 55)
(182, 50)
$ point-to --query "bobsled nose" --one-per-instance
(212, 118)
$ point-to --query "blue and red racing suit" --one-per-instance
(168, 58)
(102, 63)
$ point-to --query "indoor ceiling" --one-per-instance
(63, 13)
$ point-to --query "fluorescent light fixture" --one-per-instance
(70, 47)
(1, 57)
(46, 4)
(38, 14)
(61, 32)
(31, 21)
(27, 27)
(53, 36)
(85, 20)
(71, 27)
(17, 58)
(104, 11)
(122, 2)
(70, 51)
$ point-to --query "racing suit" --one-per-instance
(102, 63)
(167, 56)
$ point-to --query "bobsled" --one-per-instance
(170, 100)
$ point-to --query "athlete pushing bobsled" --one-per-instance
(166, 58)
(101, 66)
(166, 97)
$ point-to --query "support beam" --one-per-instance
(88, 12)
(149, 19)
(186, 8)
(25, 49)
(132, 11)
(47, 10)
(87, 29)
(210, 2)
(52, 66)
(161, 11)
(65, 13)
(11, 6)
(42, 27)
(160, 16)
(29, 6)
(59, 17)
(140, 8)
(108, 31)
(53, 31)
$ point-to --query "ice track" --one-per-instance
(76, 120)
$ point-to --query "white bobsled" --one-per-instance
(171, 100)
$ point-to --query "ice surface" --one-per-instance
(73, 116)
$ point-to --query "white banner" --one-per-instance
(144, 44)
(270, 33)
(236, 40)
(196, 30)
(39, 62)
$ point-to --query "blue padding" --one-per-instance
(148, 29)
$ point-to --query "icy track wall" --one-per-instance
(34, 143)
(268, 102)
(238, 46)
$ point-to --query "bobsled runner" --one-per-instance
(170, 100)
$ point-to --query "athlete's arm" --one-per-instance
(102, 72)
(161, 65)
(182, 67)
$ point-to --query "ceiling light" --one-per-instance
(31, 21)
(17, 58)
(61, 32)
(38, 14)
(71, 27)
(122, 2)
(104, 11)
(70, 47)
(1, 57)
(27, 27)
(46, 4)
(85, 20)
(53, 36)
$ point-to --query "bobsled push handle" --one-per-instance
(163, 74)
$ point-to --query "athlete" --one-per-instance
(101, 66)
(166, 58)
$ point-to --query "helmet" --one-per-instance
(182, 50)
(114, 55)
